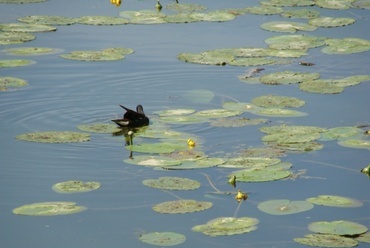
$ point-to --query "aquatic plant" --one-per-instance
(54, 137)
(284, 206)
(335, 201)
(74, 186)
(49, 208)
(172, 183)
(162, 238)
(181, 206)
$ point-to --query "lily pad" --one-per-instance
(206, 58)
(7, 63)
(362, 4)
(101, 20)
(340, 133)
(143, 17)
(334, 4)
(289, 27)
(200, 163)
(272, 101)
(364, 238)
(250, 162)
(99, 128)
(237, 122)
(284, 207)
(179, 18)
(330, 22)
(346, 46)
(159, 147)
(264, 10)
(291, 137)
(104, 55)
(7, 38)
(292, 3)
(25, 27)
(172, 183)
(279, 112)
(251, 61)
(321, 87)
(288, 77)
(49, 208)
(355, 143)
(154, 161)
(227, 226)
(326, 240)
(175, 112)
(47, 20)
(340, 227)
(262, 174)
(162, 238)
(217, 113)
(292, 129)
(26, 51)
(181, 206)
(6, 82)
(301, 13)
(335, 201)
(75, 186)
(185, 7)
(213, 16)
(55, 137)
(295, 41)
(183, 119)
(199, 95)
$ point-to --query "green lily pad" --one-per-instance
(104, 55)
(227, 226)
(272, 101)
(288, 77)
(75, 186)
(47, 20)
(154, 161)
(99, 128)
(351, 81)
(321, 87)
(291, 3)
(175, 112)
(55, 137)
(7, 38)
(262, 152)
(172, 183)
(326, 240)
(362, 4)
(101, 20)
(179, 18)
(292, 129)
(279, 112)
(251, 61)
(162, 238)
(286, 53)
(291, 137)
(200, 163)
(346, 46)
(7, 63)
(187, 155)
(264, 10)
(217, 113)
(289, 27)
(295, 41)
(25, 51)
(182, 119)
(199, 95)
(6, 82)
(160, 147)
(330, 22)
(301, 13)
(364, 238)
(340, 227)
(143, 17)
(355, 143)
(241, 106)
(181, 206)
(185, 7)
(49, 208)
(237, 122)
(340, 133)
(337, 4)
(213, 16)
(25, 27)
(250, 162)
(262, 174)
(284, 207)
(206, 58)
(335, 201)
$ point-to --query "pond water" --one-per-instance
(63, 94)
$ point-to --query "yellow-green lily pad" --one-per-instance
(264, 10)
(26, 51)
(108, 54)
(49, 208)
(179, 18)
(101, 20)
(217, 113)
(355, 143)
(279, 112)
(301, 13)
(326, 240)
(340, 227)
(7, 38)
(172, 183)
(75, 187)
(288, 27)
(6, 82)
(273, 101)
(334, 4)
(262, 174)
(288, 77)
(346, 46)
(292, 129)
(25, 27)
(55, 137)
(47, 20)
(185, 7)
(291, 3)
(213, 16)
(250, 162)
(7, 63)
(181, 206)
(225, 226)
(237, 122)
(159, 147)
(295, 41)
(330, 22)
(153, 161)
(362, 4)
(335, 201)
(143, 17)
(284, 207)
(99, 128)
(162, 238)
(200, 163)
(175, 112)
(340, 133)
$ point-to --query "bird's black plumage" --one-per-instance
(133, 118)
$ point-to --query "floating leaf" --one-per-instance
(213, 16)
(217, 113)
(330, 22)
(301, 13)
(355, 143)
(7, 38)
(47, 20)
(49, 208)
(237, 122)
(251, 61)
(279, 112)
(162, 238)
(335, 201)
(25, 51)
(262, 174)
(272, 101)
(6, 82)
(340, 133)
(262, 152)
(292, 129)
(172, 183)
(264, 10)
(337, 4)
(143, 17)
(340, 227)
(291, 137)
(227, 226)
(288, 77)
(179, 18)
(155, 161)
(250, 162)
(295, 41)
(104, 55)
(326, 240)
(289, 27)
(54, 137)
(101, 20)
(181, 206)
(346, 46)
(75, 186)
(198, 164)
(175, 112)
(292, 3)
(25, 27)
(362, 4)
(183, 119)
(185, 7)
(99, 128)
(365, 238)
(284, 207)
(206, 58)
(7, 63)
(321, 87)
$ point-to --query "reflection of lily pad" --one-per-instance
(181, 206)
(75, 186)
(101, 20)
(162, 238)
(340, 227)
(25, 27)
(217, 113)
(99, 128)
(262, 174)
(346, 46)
(237, 122)
(355, 143)
(289, 27)
(272, 101)
(155, 161)
(288, 77)
(6, 82)
(104, 55)
(55, 137)
(329, 22)
(7, 63)
(335, 201)
(326, 240)
(249, 162)
(7, 38)
(47, 20)
(295, 41)
(284, 207)
(227, 226)
(49, 208)
(172, 183)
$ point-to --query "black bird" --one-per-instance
(132, 118)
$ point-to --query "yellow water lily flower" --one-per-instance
(191, 143)
(116, 2)
(240, 196)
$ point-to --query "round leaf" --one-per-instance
(284, 207)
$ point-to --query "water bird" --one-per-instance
(133, 118)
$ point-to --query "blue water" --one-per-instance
(63, 94)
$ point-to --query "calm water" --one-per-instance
(63, 94)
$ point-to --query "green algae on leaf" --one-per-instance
(295, 41)
(162, 238)
(301, 13)
(172, 183)
(288, 77)
(181, 206)
(7, 63)
(47, 20)
(101, 20)
(224, 226)
(326, 240)
(284, 207)
(108, 54)
(334, 4)
(55, 137)
(75, 187)
(346, 46)
(330, 22)
(49, 208)
(250, 162)
(153, 161)
(289, 27)
(340, 133)
(26, 51)
(355, 143)
(99, 128)
(7, 38)
(340, 227)
(25, 27)
(237, 122)
(273, 101)
(6, 82)
(335, 201)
